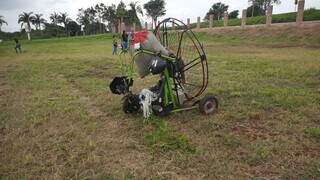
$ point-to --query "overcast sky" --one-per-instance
(180, 9)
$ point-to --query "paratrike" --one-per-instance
(172, 52)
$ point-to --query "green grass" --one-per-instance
(163, 139)
(313, 132)
(58, 118)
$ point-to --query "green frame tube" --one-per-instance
(169, 96)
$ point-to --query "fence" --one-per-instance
(243, 20)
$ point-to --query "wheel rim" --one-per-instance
(209, 107)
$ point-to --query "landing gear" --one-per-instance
(208, 105)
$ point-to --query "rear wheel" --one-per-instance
(208, 105)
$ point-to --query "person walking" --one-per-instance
(124, 40)
(18, 46)
(114, 45)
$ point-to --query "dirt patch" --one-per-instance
(313, 152)
(253, 127)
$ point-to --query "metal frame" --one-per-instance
(169, 97)
(185, 31)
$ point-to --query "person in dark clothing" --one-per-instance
(18, 46)
(124, 40)
(114, 45)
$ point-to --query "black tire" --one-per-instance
(208, 105)
(130, 104)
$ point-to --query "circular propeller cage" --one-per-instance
(192, 76)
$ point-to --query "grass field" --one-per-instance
(58, 119)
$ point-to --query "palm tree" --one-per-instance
(155, 9)
(2, 21)
(121, 13)
(217, 10)
(64, 19)
(38, 20)
(25, 19)
(54, 17)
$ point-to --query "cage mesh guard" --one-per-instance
(182, 42)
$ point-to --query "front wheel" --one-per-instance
(131, 104)
(208, 105)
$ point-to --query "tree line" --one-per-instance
(93, 19)
(96, 19)
(101, 18)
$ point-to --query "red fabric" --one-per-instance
(139, 37)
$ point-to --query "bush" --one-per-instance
(6, 36)
(311, 15)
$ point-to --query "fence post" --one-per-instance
(146, 26)
(211, 21)
(198, 23)
(173, 26)
(188, 22)
(244, 18)
(225, 19)
(269, 15)
(300, 12)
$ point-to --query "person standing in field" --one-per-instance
(114, 45)
(124, 40)
(18, 46)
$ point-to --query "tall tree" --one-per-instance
(217, 11)
(155, 9)
(25, 19)
(91, 12)
(38, 21)
(133, 12)
(73, 28)
(253, 2)
(234, 14)
(100, 9)
(64, 19)
(109, 15)
(264, 4)
(255, 10)
(2, 21)
(121, 11)
(54, 17)
(83, 19)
